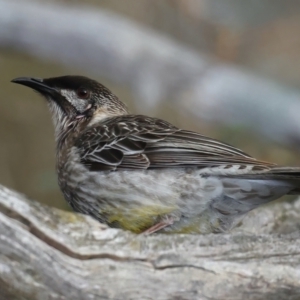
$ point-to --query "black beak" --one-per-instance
(38, 85)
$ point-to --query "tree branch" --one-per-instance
(46, 253)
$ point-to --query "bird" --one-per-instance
(145, 175)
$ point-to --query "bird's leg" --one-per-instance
(160, 225)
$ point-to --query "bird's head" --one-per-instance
(75, 100)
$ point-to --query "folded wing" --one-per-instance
(139, 142)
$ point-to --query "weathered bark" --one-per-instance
(46, 253)
(155, 67)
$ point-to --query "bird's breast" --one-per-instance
(137, 199)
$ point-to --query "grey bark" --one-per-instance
(155, 67)
(46, 253)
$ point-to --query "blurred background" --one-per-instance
(229, 69)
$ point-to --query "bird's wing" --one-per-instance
(139, 142)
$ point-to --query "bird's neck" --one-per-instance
(66, 135)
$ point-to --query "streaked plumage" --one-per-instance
(144, 174)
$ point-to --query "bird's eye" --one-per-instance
(83, 93)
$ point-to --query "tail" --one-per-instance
(289, 175)
(244, 192)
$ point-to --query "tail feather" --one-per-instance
(288, 171)
(290, 174)
(245, 192)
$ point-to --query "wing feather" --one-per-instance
(139, 142)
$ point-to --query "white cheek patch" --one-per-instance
(79, 104)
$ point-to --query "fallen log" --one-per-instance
(46, 253)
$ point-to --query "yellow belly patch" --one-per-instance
(138, 219)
